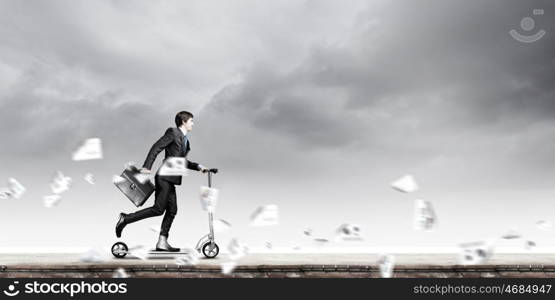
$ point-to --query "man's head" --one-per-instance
(184, 119)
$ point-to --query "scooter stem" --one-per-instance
(209, 179)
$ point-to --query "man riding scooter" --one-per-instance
(176, 143)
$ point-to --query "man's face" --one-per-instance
(189, 124)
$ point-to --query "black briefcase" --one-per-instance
(138, 192)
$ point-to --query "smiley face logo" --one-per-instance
(11, 290)
(528, 24)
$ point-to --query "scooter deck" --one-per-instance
(154, 252)
(159, 253)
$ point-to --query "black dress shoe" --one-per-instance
(169, 249)
(120, 224)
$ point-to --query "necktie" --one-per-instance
(185, 141)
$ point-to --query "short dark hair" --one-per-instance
(182, 116)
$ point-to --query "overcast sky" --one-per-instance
(315, 106)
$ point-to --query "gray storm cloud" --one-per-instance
(415, 78)
(408, 80)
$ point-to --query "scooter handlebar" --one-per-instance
(214, 170)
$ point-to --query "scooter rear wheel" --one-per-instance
(119, 249)
(210, 250)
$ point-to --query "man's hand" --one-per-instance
(145, 171)
(203, 169)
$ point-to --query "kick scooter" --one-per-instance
(206, 245)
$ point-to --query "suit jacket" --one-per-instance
(172, 142)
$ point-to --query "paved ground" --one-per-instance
(279, 265)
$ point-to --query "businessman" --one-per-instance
(176, 143)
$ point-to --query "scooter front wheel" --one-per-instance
(210, 250)
(119, 249)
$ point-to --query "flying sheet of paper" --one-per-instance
(221, 225)
(5, 193)
(51, 200)
(16, 188)
(120, 273)
(60, 183)
(321, 241)
(236, 249)
(474, 253)
(89, 178)
(94, 255)
(424, 215)
(511, 235)
(348, 232)
(228, 267)
(116, 179)
(405, 184)
(173, 166)
(267, 215)
(544, 225)
(143, 178)
(386, 263)
(90, 149)
(208, 198)
(529, 245)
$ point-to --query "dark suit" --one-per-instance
(173, 143)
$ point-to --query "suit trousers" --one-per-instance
(165, 201)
